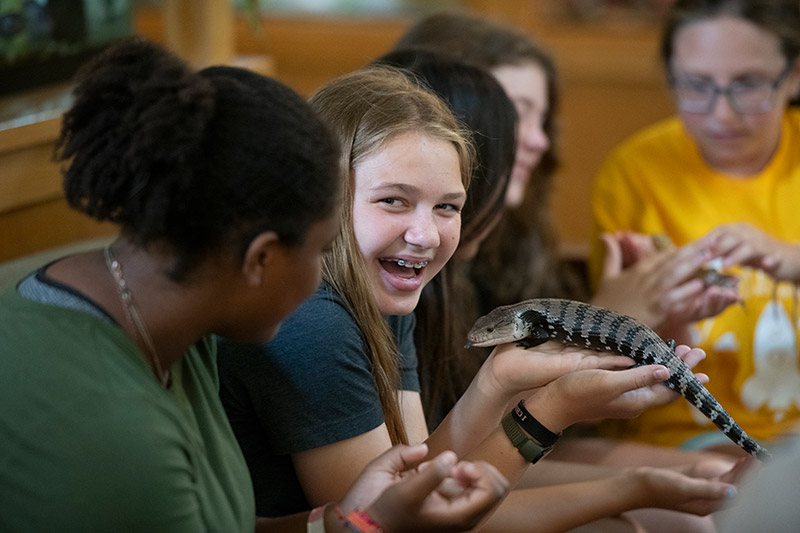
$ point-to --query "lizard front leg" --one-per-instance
(537, 336)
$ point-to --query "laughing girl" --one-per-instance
(338, 385)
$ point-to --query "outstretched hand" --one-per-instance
(424, 499)
(513, 369)
(688, 489)
(585, 395)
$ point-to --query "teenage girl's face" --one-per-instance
(723, 50)
(407, 205)
(526, 86)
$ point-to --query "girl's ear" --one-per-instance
(261, 251)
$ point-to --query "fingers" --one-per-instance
(715, 300)
(644, 376)
(484, 486)
(702, 378)
(679, 491)
(399, 458)
(637, 246)
(682, 293)
(743, 244)
(632, 391)
(746, 245)
(690, 356)
(675, 273)
(655, 286)
(479, 473)
(417, 487)
(770, 263)
(739, 469)
(606, 361)
(711, 301)
(709, 490)
(683, 264)
(513, 369)
(450, 488)
(595, 394)
(612, 262)
(702, 497)
(731, 239)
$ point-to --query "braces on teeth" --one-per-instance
(404, 263)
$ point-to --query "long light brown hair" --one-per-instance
(364, 110)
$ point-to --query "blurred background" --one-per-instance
(606, 52)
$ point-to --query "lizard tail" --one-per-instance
(701, 398)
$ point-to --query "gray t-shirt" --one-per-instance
(309, 387)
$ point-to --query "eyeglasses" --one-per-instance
(744, 96)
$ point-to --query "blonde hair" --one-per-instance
(364, 110)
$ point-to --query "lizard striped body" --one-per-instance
(533, 322)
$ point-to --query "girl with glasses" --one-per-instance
(725, 169)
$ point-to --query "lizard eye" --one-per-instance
(489, 330)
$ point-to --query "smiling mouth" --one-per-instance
(403, 268)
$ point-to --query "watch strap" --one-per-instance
(533, 427)
(530, 450)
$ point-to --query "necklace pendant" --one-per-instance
(135, 320)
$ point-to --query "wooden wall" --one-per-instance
(610, 78)
(611, 86)
(33, 213)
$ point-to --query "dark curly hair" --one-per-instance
(194, 160)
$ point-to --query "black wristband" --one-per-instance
(529, 449)
(533, 427)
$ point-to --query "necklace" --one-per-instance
(135, 318)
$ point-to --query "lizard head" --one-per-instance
(499, 326)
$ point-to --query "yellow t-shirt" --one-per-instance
(656, 182)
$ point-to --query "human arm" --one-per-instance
(507, 372)
(600, 451)
(326, 472)
(566, 506)
(578, 396)
(508, 375)
(497, 448)
(607, 492)
(340, 460)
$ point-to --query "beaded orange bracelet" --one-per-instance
(360, 521)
